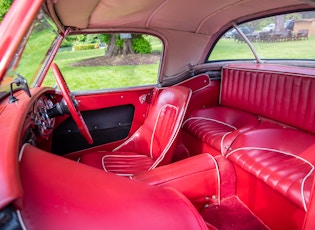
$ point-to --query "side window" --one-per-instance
(287, 36)
(108, 61)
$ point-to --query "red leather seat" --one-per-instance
(150, 145)
(283, 158)
(219, 126)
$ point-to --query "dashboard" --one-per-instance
(43, 123)
(38, 125)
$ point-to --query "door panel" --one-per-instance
(110, 117)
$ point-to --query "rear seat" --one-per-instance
(249, 92)
(265, 125)
(219, 126)
(280, 157)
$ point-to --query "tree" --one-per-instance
(4, 7)
(124, 44)
(279, 23)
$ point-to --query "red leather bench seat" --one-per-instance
(249, 91)
(219, 126)
(281, 157)
(265, 126)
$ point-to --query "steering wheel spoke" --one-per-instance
(74, 111)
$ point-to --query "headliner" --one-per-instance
(186, 27)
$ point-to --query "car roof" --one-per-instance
(188, 28)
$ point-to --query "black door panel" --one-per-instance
(105, 125)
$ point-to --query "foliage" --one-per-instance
(66, 43)
(141, 45)
(85, 47)
(119, 42)
(4, 7)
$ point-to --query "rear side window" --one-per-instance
(287, 36)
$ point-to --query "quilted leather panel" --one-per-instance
(282, 158)
(219, 126)
(284, 96)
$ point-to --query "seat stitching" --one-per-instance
(285, 153)
(210, 119)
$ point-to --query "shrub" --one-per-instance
(85, 47)
(66, 43)
(141, 45)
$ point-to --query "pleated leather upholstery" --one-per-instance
(219, 126)
(284, 94)
(283, 158)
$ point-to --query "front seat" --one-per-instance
(151, 144)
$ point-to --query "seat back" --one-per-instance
(155, 137)
(281, 93)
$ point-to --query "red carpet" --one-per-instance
(231, 214)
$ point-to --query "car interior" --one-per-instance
(225, 144)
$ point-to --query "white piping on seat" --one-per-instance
(285, 153)
(170, 142)
(210, 119)
(155, 126)
(20, 218)
(221, 144)
(219, 178)
(21, 152)
(174, 135)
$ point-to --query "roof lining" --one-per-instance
(216, 12)
(155, 12)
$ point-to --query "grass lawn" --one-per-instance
(98, 77)
(230, 49)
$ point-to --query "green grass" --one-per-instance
(230, 49)
(100, 77)
(28, 64)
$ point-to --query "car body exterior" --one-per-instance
(269, 28)
(202, 132)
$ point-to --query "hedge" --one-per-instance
(85, 47)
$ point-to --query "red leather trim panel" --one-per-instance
(205, 92)
(72, 201)
(282, 158)
(284, 94)
(197, 178)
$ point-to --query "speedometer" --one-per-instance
(43, 123)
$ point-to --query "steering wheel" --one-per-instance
(75, 113)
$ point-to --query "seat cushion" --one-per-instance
(121, 163)
(282, 158)
(219, 126)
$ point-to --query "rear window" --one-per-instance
(287, 36)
